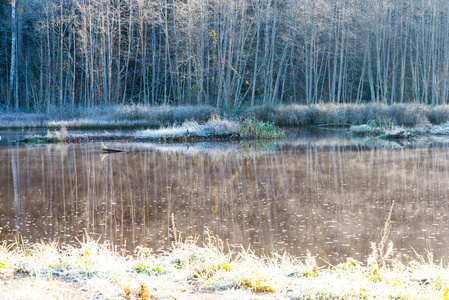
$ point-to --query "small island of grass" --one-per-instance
(216, 128)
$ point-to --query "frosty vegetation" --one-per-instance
(100, 272)
(138, 116)
(213, 127)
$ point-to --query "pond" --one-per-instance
(329, 194)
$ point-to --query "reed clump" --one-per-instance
(250, 127)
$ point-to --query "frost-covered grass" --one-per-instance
(189, 268)
(361, 130)
(215, 126)
(378, 129)
(349, 114)
(381, 125)
(442, 129)
(285, 115)
(107, 116)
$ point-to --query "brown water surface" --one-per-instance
(327, 196)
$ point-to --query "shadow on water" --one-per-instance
(329, 195)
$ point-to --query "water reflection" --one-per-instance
(327, 196)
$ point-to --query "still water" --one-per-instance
(330, 195)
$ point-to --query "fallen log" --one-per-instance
(110, 150)
(396, 135)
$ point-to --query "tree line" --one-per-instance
(223, 53)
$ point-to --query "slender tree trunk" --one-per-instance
(256, 50)
(12, 73)
(446, 58)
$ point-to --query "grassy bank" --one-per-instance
(347, 114)
(94, 270)
(133, 116)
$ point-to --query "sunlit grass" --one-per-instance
(189, 267)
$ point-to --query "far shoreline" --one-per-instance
(140, 116)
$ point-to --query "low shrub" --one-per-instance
(292, 115)
(407, 114)
(438, 114)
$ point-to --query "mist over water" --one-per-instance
(328, 196)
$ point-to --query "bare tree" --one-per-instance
(12, 73)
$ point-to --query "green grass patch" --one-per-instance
(250, 127)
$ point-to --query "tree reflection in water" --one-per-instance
(329, 197)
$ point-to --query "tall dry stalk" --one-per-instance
(383, 254)
(175, 232)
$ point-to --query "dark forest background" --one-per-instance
(223, 53)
